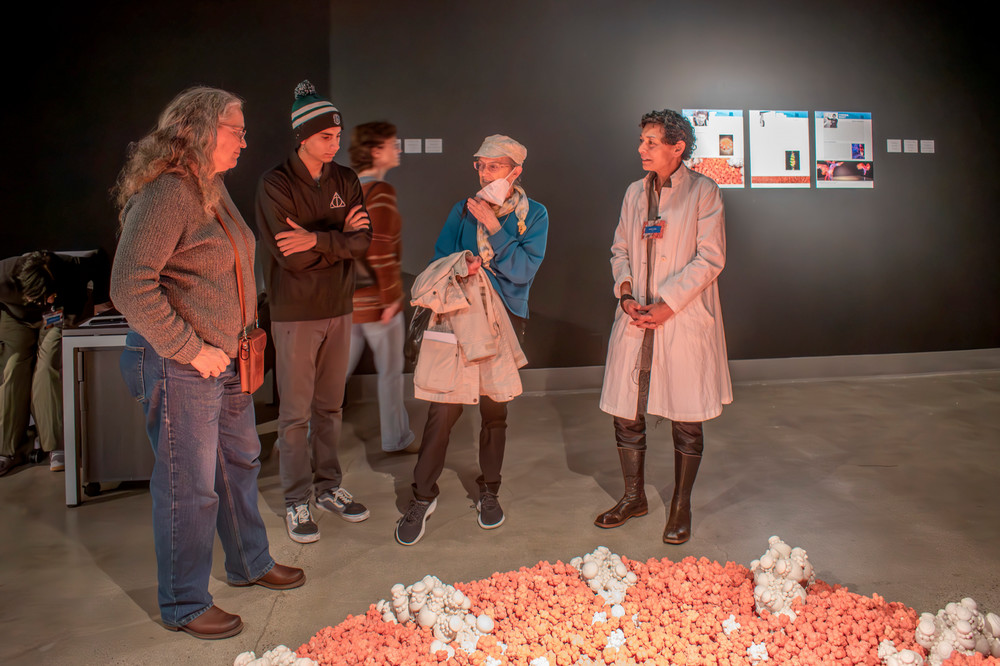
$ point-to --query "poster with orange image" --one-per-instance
(718, 151)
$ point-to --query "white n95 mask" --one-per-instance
(495, 192)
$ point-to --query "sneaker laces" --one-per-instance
(342, 496)
(301, 514)
(414, 512)
(488, 501)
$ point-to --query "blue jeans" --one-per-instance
(386, 341)
(204, 437)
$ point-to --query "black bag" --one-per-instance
(415, 333)
(364, 276)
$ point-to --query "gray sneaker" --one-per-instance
(490, 514)
(301, 528)
(410, 527)
(341, 502)
(57, 461)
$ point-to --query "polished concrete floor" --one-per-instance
(892, 486)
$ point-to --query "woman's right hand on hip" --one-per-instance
(210, 361)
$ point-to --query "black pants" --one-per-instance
(631, 433)
(441, 418)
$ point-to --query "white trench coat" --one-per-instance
(689, 378)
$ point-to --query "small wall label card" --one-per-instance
(844, 156)
(779, 149)
(718, 151)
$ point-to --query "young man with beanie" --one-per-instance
(313, 224)
(667, 354)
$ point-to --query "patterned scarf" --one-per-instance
(516, 203)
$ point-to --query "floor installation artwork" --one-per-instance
(889, 484)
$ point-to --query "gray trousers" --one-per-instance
(30, 383)
(311, 359)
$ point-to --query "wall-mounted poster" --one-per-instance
(844, 150)
(779, 149)
(718, 149)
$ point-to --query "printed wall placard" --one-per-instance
(844, 150)
(718, 145)
(779, 149)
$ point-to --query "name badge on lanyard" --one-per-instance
(653, 229)
(53, 317)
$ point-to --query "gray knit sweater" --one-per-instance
(174, 274)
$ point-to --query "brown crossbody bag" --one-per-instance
(253, 340)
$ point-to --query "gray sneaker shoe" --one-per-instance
(410, 527)
(490, 514)
(301, 528)
(57, 461)
(341, 502)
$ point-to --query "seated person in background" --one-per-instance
(378, 289)
(40, 292)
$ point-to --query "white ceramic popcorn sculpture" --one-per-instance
(605, 573)
(431, 603)
(890, 656)
(279, 656)
(959, 627)
(780, 576)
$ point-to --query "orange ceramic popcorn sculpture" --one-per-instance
(690, 612)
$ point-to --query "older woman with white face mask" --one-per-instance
(506, 233)
(184, 259)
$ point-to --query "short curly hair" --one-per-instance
(675, 128)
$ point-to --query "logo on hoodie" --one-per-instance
(337, 201)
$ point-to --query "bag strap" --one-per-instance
(239, 273)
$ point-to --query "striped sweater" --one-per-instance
(384, 254)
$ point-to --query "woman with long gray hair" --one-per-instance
(183, 245)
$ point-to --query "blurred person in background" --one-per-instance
(378, 287)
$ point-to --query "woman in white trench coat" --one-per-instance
(667, 353)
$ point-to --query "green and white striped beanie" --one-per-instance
(311, 113)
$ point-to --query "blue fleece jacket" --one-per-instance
(516, 256)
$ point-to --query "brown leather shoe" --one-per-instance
(213, 624)
(279, 577)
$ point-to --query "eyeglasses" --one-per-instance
(40, 301)
(240, 132)
(491, 167)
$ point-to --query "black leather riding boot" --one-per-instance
(678, 529)
(633, 502)
(689, 442)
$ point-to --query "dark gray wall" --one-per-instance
(908, 266)
(97, 77)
